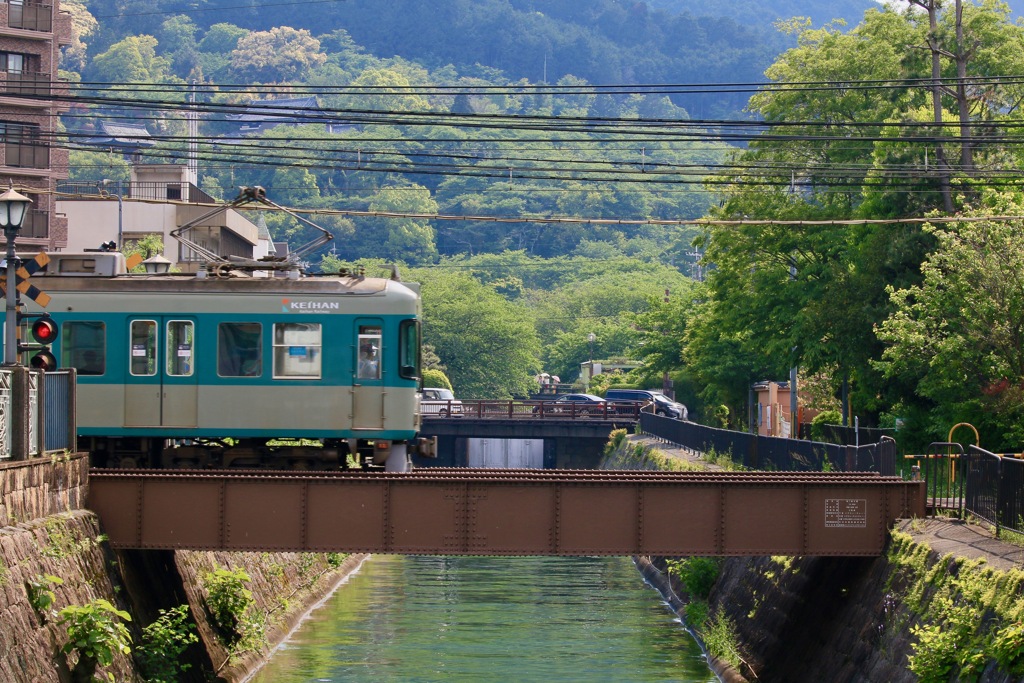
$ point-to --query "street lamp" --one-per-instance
(157, 265)
(590, 338)
(13, 207)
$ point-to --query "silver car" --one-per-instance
(440, 402)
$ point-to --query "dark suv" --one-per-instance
(662, 404)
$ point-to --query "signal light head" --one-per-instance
(44, 360)
(44, 331)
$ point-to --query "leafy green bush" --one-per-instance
(698, 574)
(228, 600)
(436, 379)
(40, 592)
(97, 633)
(163, 643)
(831, 417)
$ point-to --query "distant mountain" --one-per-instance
(761, 13)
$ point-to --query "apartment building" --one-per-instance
(32, 34)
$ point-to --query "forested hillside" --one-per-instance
(552, 170)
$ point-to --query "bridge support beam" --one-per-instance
(505, 512)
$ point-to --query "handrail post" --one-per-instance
(999, 492)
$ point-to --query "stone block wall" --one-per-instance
(32, 489)
(64, 546)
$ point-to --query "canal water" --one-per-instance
(405, 619)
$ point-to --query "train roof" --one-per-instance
(107, 272)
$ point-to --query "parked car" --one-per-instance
(580, 404)
(440, 402)
(660, 403)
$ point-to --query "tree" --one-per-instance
(178, 39)
(959, 335)
(406, 239)
(83, 25)
(488, 344)
(132, 61)
(279, 55)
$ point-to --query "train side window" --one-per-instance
(240, 350)
(297, 350)
(180, 348)
(83, 346)
(143, 348)
(409, 349)
(368, 366)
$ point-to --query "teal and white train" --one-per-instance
(227, 369)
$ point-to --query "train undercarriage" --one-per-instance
(251, 453)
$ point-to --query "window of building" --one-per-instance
(240, 350)
(297, 349)
(12, 62)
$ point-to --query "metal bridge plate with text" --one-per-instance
(846, 512)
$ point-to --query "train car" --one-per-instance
(225, 369)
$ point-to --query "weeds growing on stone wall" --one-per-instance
(230, 605)
(62, 541)
(965, 614)
(615, 439)
(96, 632)
(334, 560)
(41, 594)
(719, 635)
(163, 643)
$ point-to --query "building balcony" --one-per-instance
(174, 191)
(26, 84)
(21, 155)
(36, 225)
(30, 17)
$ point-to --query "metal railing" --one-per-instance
(26, 155)
(31, 17)
(137, 190)
(32, 83)
(992, 488)
(773, 453)
(37, 412)
(537, 410)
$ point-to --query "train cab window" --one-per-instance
(180, 348)
(297, 350)
(409, 349)
(368, 365)
(83, 346)
(143, 348)
(240, 350)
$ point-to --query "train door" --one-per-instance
(161, 384)
(367, 381)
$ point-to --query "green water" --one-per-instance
(490, 619)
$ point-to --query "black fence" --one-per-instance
(991, 488)
(854, 436)
(772, 453)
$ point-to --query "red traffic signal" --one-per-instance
(44, 331)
